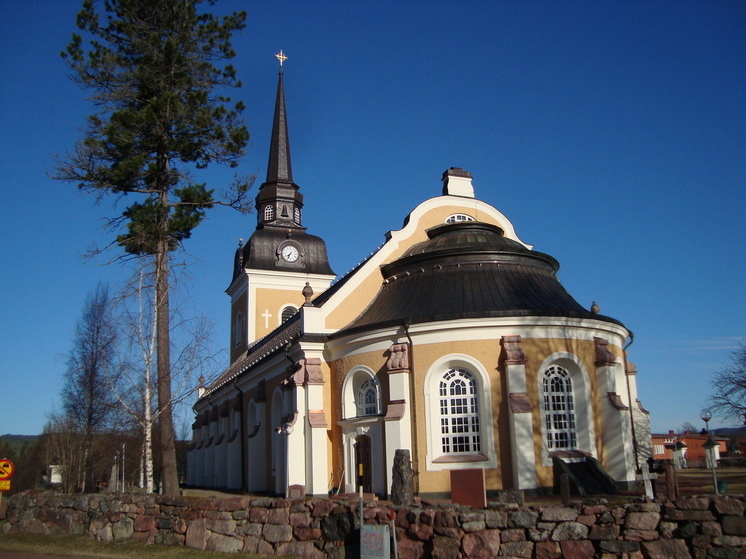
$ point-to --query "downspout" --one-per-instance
(241, 433)
(412, 392)
(629, 397)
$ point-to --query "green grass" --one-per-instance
(81, 546)
(696, 480)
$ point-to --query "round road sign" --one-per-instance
(6, 469)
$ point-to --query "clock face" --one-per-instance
(290, 253)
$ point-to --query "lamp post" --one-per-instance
(710, 445)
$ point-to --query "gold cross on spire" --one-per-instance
(281, 57)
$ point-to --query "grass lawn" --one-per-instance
(81, 546)
(696, 481)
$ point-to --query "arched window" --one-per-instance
(559, 409)
(459, 218)
(296, 216)
(368, 398)
(287, 312)
(361, 394)
(269, 212)
(458, 397)
(238, 329)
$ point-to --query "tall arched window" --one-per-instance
(238, 329)
(559, 409)
(458, 399)
(368, 398)
(269, 212)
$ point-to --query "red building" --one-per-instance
(693, 449)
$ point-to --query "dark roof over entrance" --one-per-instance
(469, 270)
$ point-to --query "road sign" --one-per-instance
(6, 469)
(4, 485)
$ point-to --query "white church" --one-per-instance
(455, 341)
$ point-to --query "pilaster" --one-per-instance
(519, 413)
(619, 455)
(398, 418)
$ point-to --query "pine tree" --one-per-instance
(157, 74)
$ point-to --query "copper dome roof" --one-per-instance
(469, 270)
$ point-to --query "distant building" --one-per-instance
(454, 340)
(693, 449)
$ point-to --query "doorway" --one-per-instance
(363, 464)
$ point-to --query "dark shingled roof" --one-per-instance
(469, 270)
(260, 252)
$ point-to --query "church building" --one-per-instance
(454, 340)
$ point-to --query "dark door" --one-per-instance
(362, 464)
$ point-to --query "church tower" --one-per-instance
(271, 270)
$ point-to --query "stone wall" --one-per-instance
(691, 527)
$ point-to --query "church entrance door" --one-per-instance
(363, 464)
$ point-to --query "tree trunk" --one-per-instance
(169, 475)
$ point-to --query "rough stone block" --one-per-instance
(516, 549)
(522, 519)
(729, 506)
(559, 514)
(693, 515)
(569, 531)
(224, 544)
(225, 527)
(408, 549)
(275, 533)
(481, 545)
(322, 508)
(730, 541)
(538, 535)
(618, 546)
(711, 529)
(604, 532)
(251, 544)
(258, 515)
(304, 550)
(445, 548)
(577, 549)
(495, 519)
(734, 525)
(642, 520)
(548, 550)
(300, 519)
(693, 503)
(278, 516)
(307, 534)
(513, 535)
(122, 529)
(666, 549)
(144, 523)
(473, 526)
(640, 535)
(422, 532)
(196, 534)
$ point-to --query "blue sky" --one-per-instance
(611, 134)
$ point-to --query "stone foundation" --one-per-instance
(690, 527)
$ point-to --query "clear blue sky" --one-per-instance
(612, 135)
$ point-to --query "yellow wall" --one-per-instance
(489, 354)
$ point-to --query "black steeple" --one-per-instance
(279, 202)
(280, 242)
(279, 168)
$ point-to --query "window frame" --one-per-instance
(585, 432)
(354, 381)
(459, 218)
(437, 459)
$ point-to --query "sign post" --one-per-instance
(6, 472)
